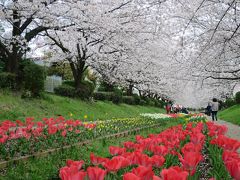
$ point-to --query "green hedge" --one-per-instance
(237, 97)
(128, 100)
(7, 80)
(103, 96)
(85, 91)
(33, 78)
(69, 91)
(65, 90)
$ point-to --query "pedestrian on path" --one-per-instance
(209, 109)
(168, 108)
(214, 108)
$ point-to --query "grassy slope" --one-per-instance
(231, 114)
(13, 107)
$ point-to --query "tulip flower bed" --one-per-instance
(178, 153)
(19, 138)
(223, 153)
(155, 115)
(189, 117)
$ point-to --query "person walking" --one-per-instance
(209, 109)
(214, 108)
(168, 108)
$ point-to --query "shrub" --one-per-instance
(149, 101)
(90, 85)
(229, 102)
(128, 100)
(65, 90)
(117, 96)
(106, 87)
(33, 78)
(69, 83)
(142, 102)
(137, 99)
(237, 97)
(85, 91)
(7, 80)
(103, 96)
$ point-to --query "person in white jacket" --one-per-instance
(214, 108)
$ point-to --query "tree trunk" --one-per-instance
(13, 64)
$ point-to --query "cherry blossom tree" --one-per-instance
(23, 21)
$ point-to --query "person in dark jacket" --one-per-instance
(209, 109)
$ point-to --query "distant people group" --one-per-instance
(175, 108)
(212, 109)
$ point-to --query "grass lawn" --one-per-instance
(231, 114)
(12, 107)
(48, 167)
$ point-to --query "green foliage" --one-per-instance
(7, 80)
(33, 78)
(104, 86)
(61, 69)
(218, 170)
(117, 96)
(103, 96)
(65, 90)
(142, 102)
(237, 97)
(128, 100)
(137, 99)
(85, 91)
(69, 83)
(229, 102)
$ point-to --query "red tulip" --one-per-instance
(157, 161)
(142, 159)
(233, 168)
(160, 150)
(71, 173)
(229, 156)
(197, 138)
(3, 139)
(129, 145)
(226, 143)
(19, 123)
(156, 178)
(130, 176)
(78, 164)
(52, 130)
(174, 173)
(96, 173)
(98, 160)
(190, 147)
(145, 173)
(116, 150)
(64, 133)
(190, 161)
(139, 138)
(116, 163)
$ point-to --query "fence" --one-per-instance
(52, 82)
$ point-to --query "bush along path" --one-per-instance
(181, 152)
